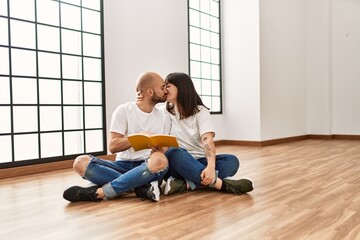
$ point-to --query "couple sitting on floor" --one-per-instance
(193, 165)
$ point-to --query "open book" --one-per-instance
(144, 141)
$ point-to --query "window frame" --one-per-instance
(37, 133)
(201, 78)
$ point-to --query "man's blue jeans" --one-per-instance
(118, 177)
(184, 166)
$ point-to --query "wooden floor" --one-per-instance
(303, 190)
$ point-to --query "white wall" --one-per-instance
(345, 66)
(141, 35)
(318, 67)
(241, 75)
(333, 67)
(283, 68)
(290, 67)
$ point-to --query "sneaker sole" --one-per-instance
(167, 185)
(156, 191)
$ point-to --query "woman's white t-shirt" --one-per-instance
(129, 119)
(188, 131)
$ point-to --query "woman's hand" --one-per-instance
(158, 149)
(207, 176)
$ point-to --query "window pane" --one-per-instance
(215, 88)
(23, 62)
(50, 118)
(94, 4)
(194, 4)
(92, 69)
(22, 34)
(74, 142)
(215, 72)
(92, 45)
(48, 38)
(214, 8)
(215, 56)
(70, 16)
(205, 54)
(49, 91)
(26, 147)
(24, 90)
(73, 118)
(4, 59)
(215, 40)
(205, 6)
(93, 117)
(5, 120)
(205, 21)
(207, 101)
(94, 141)
(4, 90)
(205, 70)
(206, 87)
(49, 65)
(48, 12)
(72, 67)
(5, 148)
(93, 92)
(3, 7)
(214, 22)
(22, 9)
(194, 18)
(51, 144)
(194, 52)
(197, 84)
(25, 119)
(91, 21)
(205, 37)
(72, 92)
(194, 35)
(195, 69)
(71, 41)
(4, 36)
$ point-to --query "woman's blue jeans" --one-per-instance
(184, 166)
(118, 177)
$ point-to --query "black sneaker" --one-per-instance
(174, 185)
(149, 191)
(77, 194)
(238, 186)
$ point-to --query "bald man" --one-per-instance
(138, 170)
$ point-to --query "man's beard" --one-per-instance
(156, 99)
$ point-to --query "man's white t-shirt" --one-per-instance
(129, 119)
(188, 131)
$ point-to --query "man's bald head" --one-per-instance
(147, 80)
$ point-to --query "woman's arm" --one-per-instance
(208, 175)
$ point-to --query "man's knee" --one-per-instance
(157, 162)
(81, 163)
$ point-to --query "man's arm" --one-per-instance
(118, 142)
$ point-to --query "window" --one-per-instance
(205, 51)
(51, 80)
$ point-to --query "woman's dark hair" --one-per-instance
(187, 97)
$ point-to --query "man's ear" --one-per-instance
(150, 91)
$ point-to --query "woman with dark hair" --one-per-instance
(195, 164)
